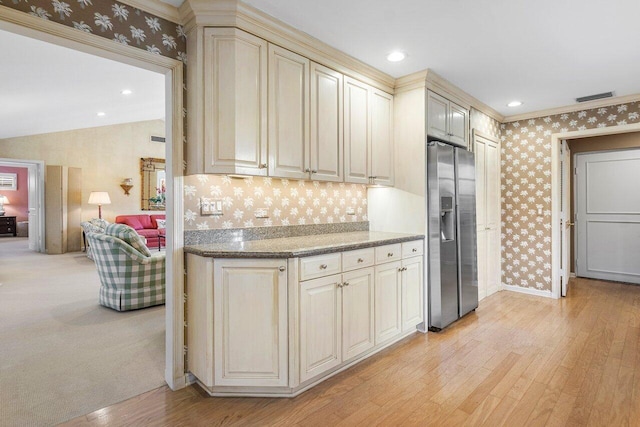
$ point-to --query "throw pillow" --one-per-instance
(100, 223)
(128, 235)
(162, 224)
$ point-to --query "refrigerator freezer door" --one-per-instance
(467, 256)
(443, 267)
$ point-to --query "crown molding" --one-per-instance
(412, 81)
(444, 87)
(606, 102)
(234, 13)
(157, 8)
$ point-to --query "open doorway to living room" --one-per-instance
(63, 352)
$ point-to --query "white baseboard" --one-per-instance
(529, 291)
(572, 275)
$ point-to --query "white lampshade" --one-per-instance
(4, 200)
(99, 198)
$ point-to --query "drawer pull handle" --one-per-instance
(414, 250)
(323, 266)
(402, 269)
(360, 260)
(390, 254)
(345, 284)
(282, 268)
(339, 284)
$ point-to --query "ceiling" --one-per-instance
(47, 88)
(544, 53)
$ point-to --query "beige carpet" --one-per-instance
(61, 354)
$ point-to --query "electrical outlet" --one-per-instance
(261, 213)
(351, 211)
(210, 206)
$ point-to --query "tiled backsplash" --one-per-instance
(287, 202)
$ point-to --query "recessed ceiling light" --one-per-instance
(514, 104)
(396, 56)
(101, 114)
(126, 92)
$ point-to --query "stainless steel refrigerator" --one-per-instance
(451, 207)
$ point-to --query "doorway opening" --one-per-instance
(558, 196)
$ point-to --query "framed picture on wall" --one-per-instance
(8, 181)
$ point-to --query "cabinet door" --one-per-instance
(493, 218)
(288, 114)
(381, 149)
(235, 102)
(412, 297)
(250, 323)
(356, 131)
(357, 312)
(388, 299)
(437, 116)
(326, 124)
(320, 326)
(458, 125)
(480, 149)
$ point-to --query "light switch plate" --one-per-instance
(210, 206)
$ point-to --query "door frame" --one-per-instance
(556, 235)
(30, 26)
(35, 170)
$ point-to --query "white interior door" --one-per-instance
(608, 221)
(565, 226)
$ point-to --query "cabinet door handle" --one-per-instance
(323, 266)
(282, 268)
(414, 250)
(345, 284)
(390, 254)
(262, 166)
(314, 171)
(360, 260)
(339, 284)
(307, 170)
(400, 269)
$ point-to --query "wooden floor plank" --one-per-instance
(518, 360)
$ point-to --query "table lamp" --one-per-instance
(3, 201)
(99, 198)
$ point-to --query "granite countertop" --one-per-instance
(292, 247)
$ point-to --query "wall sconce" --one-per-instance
(127, 184)
(3, 201)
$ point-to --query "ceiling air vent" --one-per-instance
(158, 139)
(594, 97)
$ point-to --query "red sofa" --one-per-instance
(145, 225)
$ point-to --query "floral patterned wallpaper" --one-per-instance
(526, 187)
(286, 202)
(111, 19)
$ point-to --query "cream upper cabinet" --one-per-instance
(368, 134)
(446, 120)
(288, 114)
(381, 151)
(487, 153)
(356, 131)
(250, 346)
(235, 103)
(327, 134)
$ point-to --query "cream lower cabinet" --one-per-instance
(241, 317)
(388, 301)
(336, 320)
(412, 292)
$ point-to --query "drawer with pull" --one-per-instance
(359, 258)
(320, 265)
(413, 248)
(388, 253)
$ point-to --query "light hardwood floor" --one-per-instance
(518, 360)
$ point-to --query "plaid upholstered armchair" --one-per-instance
(130, 275)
